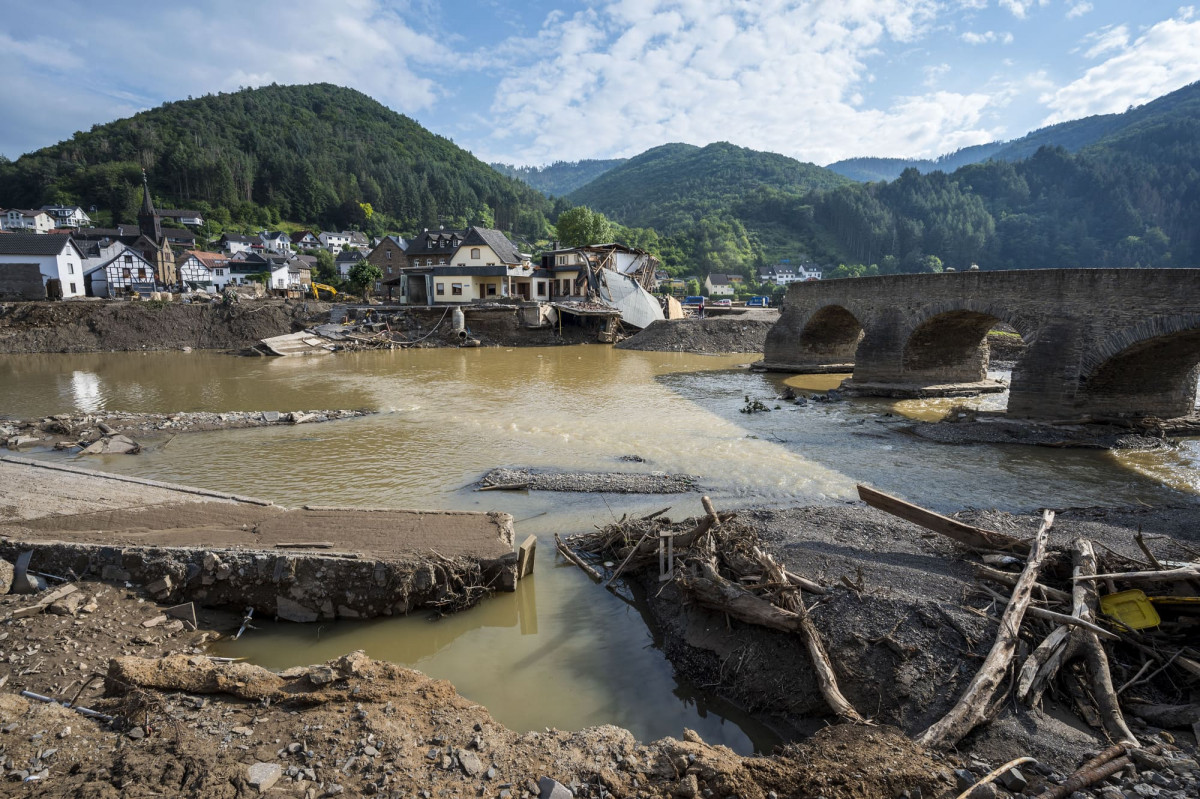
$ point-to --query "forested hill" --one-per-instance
(561, 177)
(313, 154)
(671, 186)
(1072, 136)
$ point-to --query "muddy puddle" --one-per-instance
(561, 652)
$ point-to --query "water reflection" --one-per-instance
(85, 388)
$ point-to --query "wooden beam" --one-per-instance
(966, 534)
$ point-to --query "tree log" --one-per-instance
(1084, 557)
(1169, 576)
(1171, 717)
(1009, 579)
(570, 555)
(972, 707)
(969, 535)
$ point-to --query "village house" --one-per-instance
(333, 241)
(346, 260)
(305, 240)
(389, 256)
(71, 216)
(785, 273)
(58, 258)
(461, 266)
(233, 243)
(27, 220)
(722, 285)
(197, 269)
(184, 216)
(125, 273)
(275, 241)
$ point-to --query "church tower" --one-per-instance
(148, 221)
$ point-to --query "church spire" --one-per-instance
(148, 221)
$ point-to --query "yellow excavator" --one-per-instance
(330, 289)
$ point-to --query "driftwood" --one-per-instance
(1181, 574)
(1084, 557)
(966, 534)
(1100, 767)
(1062, 618)
(994, 773)
(505, 487)
(1171, 717)
(570, 555)
(1010, 579)
(972, 707)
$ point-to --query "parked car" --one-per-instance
(693, 301)
(722, 303)
(759, 302)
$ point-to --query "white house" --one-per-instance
(233, 243)
(184, 216)
(127, 271)
(333, 241)
(721, 285)
(196, 267)
(784, 273)
(275, 241)
(67, 215)
(57, 256)
(280, 277)
(21, 219)
(305, 240)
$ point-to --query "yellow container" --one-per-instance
(1131, 609)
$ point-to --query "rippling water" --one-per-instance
(561, 651)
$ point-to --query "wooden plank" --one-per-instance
(966, 534)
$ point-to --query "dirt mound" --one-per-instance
(136, 326)
(708, 336)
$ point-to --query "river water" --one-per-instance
(560, 652)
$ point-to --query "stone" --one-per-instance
(245, 731)
(553, 789)
(114, 573)
(154, 621)
(291, 610)
(270, 416)
(1013, 780)
(6, 576)
(370, 751)
(17, 442)
(263, 775)
(987, 790)
(688, 787)
(137, 733)
(963, 778)
(469, 762)
(162, 585)
(68, 605)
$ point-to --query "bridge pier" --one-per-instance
(1099, 342)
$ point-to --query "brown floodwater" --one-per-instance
(560, 652)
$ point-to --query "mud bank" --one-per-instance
(708, 336)
(487, 325)
(64, 431)
(137, 326)
(589, 482)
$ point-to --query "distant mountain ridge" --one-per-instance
(1072, 136)
(561, 177)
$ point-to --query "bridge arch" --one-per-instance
(831, 335)
(1147, 369)
(947, 342)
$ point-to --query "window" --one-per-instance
(445, 259)
(72, 287)
(491, 289)
(456, 289)
(128, 258)
(126, 273)
(389, 255)
(541, 288)
(70, 269)
(141, 273)
(441, 288)
(475, 253)
(562, 259)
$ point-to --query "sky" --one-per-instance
(531, 82)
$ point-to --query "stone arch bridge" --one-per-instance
(1099, 342)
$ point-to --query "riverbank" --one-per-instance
(712, 335)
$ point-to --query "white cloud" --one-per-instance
(1164, 58)
(178, 50)
(1106, 39)
(622, 77)
(1078, 9)
(987, 37)
(1020, 8)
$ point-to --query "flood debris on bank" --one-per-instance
(525, 479)
(108, 432)
(964, 425)
(1046, 637)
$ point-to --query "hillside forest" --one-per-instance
(332, 158)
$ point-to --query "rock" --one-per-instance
(105, 429)
(270, 416)
(553, 789)
(154, 621)
(263, 775)
(688, 788)
(963, 778)
(137, 733)
(68, 605)
(160, 586)
(469, 762)
(64, 732)
(291, 610)
(114, 573)
(1013, 780)
(243, 731)
(16, 442)
(986, 791)
(6, 576)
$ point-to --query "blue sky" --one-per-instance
(535, 82)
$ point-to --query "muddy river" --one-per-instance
(560, 652)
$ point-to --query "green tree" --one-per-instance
(326, 268)
(363, 276)
(581, 226)
(693, 287)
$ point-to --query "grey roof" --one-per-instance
(505, 250)
(240, 239)
(176, 213)
(349, 256)
(432, 242)
(35, 244)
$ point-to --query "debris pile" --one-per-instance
(524, 479)
(1073, 623)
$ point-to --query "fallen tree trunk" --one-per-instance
(1169, 576)
(966, 534)
(1010, 579)
(570, 555)
(972, 708)
(1171, 717)
(1100, 767)
(1084, 557)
